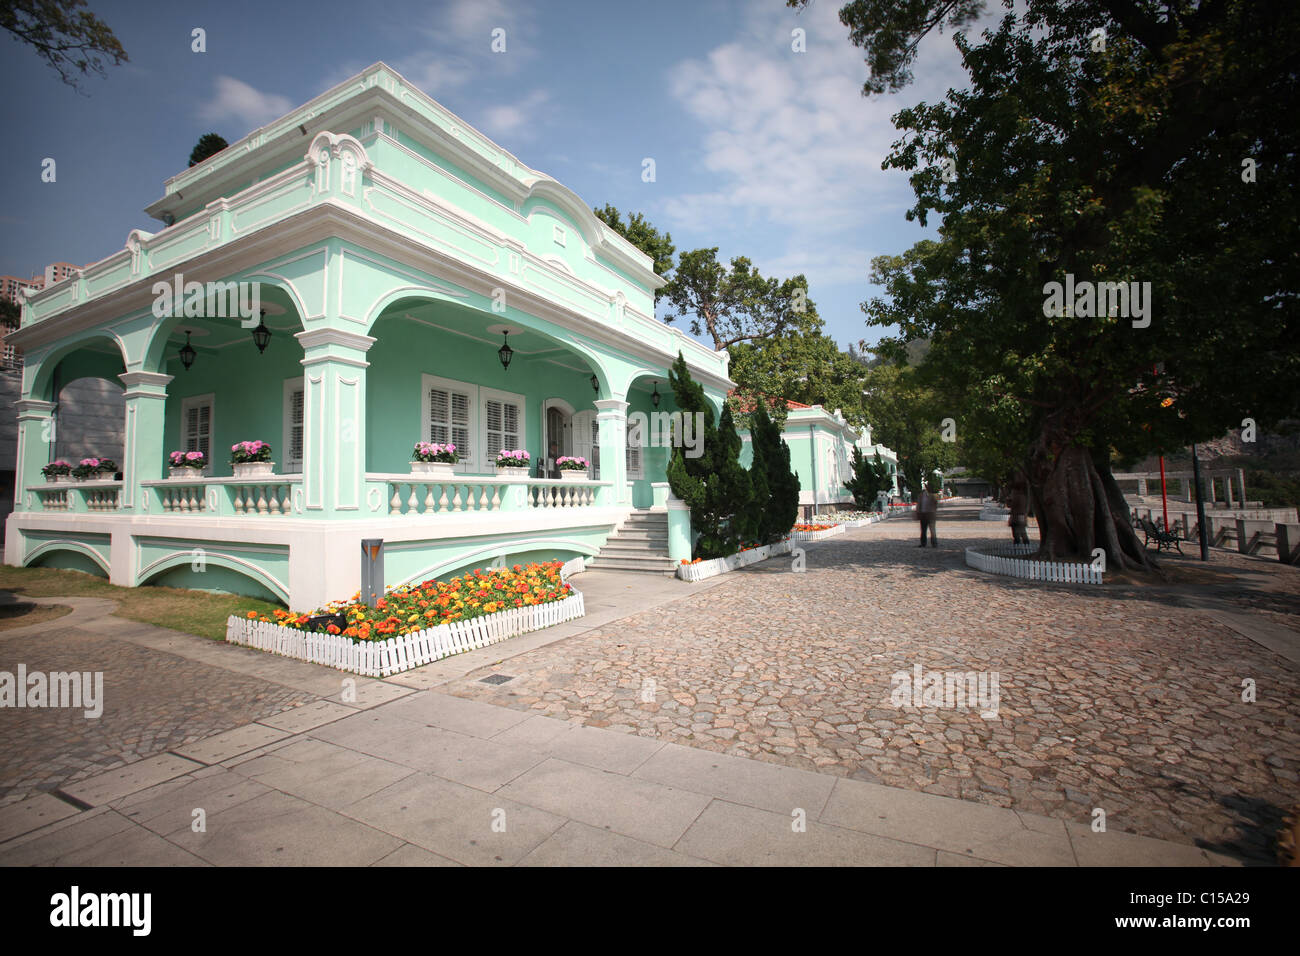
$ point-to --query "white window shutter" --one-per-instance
(296, 406)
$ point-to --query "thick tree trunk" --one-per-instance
(1080, 507)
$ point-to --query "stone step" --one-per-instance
(615, 549)
(645, 565)
(641, 534)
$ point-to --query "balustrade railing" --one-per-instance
(414, 496)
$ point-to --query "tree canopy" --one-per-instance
(1099, 141)
(71, 40)
(209, 144)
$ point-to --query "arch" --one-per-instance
(442, 294)
(77, 547)
(42, 379)
(499, 549)
(154, 359)
(567, 202)
(632, 376)
(245, 568)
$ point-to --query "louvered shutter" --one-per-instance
(296, 406)
(198, 428)
(449, 420)
(502, 426)
(634, 442)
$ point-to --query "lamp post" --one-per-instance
(1200, 507)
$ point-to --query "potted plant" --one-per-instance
(513, 464)
(57, 471)
(186, 464)
(432, 460)
(89, 469)
(251, 459)
(572, 468)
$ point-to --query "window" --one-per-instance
(196, 426)
(557, 233)
(449, 416)
(586, 439)
(293, 425)
(478, 421)
(502, 423)
(634, 442)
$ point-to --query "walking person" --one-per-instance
(927, 507)
(1018, 502)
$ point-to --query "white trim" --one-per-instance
(209, 399)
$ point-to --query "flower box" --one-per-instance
(569, 474)
(513, 461)
(512, 471)
(699, 570)
(185, 473)
(254, 469)
(433, 470)
(572, 468)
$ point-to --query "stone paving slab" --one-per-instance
(276, 829)
(472, 761)
(735, 779)
(468, 717)
(308, 717)
(170, 806)
(32, 814)
(650, 812)
(577, 844)
(136, 776)
(325, 774)
(735, 835)
(232, 743)
(958, 826)
(1117, 848)
(455, 821)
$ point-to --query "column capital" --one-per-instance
(33, 408)
(611, 408)
(145, 384)
(334, 345)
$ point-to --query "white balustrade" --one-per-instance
(55, 499)
(263, 498)
(103, 499)
(183, 499)
(445, 497)
(552, 494)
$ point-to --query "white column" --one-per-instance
(611, 420)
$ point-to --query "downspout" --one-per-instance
(812, 454)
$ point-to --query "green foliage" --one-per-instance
(714, 485)
(907, 413)
(870, 477)
(736, 304)
(209, 144)
(800, 364)
(639, 231)
(71, 40)
(776, 486)
(1115, 164)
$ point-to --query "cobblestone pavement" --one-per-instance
(1120, 697)
(159, 701)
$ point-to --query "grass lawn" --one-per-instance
(194, 612)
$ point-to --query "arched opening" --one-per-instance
(436, 374)
(233, 380)
(88, 420)
(652, 411)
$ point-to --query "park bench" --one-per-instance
(1163, 539)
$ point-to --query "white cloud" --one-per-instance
(514, 118)
(236, 100)
(791, 146)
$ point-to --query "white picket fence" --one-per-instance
(803, 537)
(1010, 560)
(396, 654)
(715, 566)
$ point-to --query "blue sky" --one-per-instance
(758, 150)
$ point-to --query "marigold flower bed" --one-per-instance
(415, 607)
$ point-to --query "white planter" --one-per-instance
(503, 472)
(59, 480)
(573, 475)
(188, 474)
(433, 470)
(254, 469)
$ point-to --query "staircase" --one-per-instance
(641, 544)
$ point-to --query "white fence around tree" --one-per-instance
(1012, 560)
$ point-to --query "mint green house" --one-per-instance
(397, 258)
(821, 454)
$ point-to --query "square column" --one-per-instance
(611, 421)
(334, 423)
(143, 451)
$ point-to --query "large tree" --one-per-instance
(1100, 141)
(71, 40)
(907, 415)
(209, 144)
(735, 303)
(803, 364)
